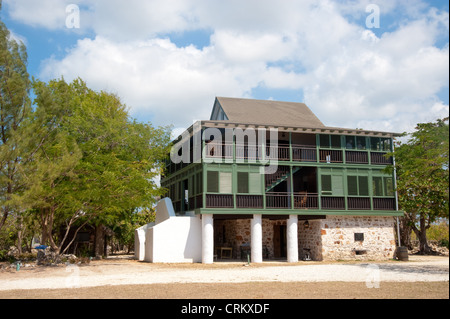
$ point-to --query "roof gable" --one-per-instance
(218, 113)
(265, 112)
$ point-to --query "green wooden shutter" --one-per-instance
(326, 185)
(242, 182)
(177, 191)
(363, 182)
(213, 182)
(225, 183)
(254, 183)
(389, 186)
(352, 185)
(378, 186)
(337, 183)
(199, 183)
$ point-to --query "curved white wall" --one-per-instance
(176, 240)
(171, 239)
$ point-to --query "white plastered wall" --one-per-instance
(171, 239)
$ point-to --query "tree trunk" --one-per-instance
(44, 223)
(405, 233)
(421, 234)
(4, 217)
(20, 232)
(56, 249)
(99, 241)
(47, 216)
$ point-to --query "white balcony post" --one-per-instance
(207, 239)
(256, 244)
(292, 239)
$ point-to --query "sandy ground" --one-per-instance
(256, 291)
(125, 271)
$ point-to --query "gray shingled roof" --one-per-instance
(273, 112)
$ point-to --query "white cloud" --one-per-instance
(50, 14)
(175, 85)
(350, 76)
(238, 47)
(389, 82)
(137, 19)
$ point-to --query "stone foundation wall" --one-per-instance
(328, 239)
(238, 233)
(233, 233)
(339, 243)
(310, 239)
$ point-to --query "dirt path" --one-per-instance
(114, 276)
(254, 290)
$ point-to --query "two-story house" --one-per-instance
(269, 180)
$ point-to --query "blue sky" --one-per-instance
(169, 59)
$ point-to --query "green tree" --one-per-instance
(126, 224)
(422, 165)
(15, 107)
(94, 161)
(48, 173)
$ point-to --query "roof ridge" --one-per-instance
(268, 111)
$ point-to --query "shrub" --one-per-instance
(443, 243)
(3, 254)
(438, 232)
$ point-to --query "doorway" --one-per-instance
(279, 241)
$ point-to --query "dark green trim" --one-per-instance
(252, 211)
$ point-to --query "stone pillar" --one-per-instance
(256, 243)
(292, 239)
(207, 239)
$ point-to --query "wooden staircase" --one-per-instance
(280, 176)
